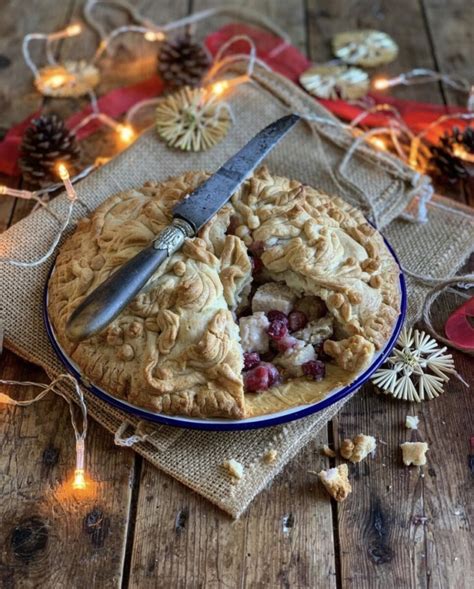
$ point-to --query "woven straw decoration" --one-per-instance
(417, 370)
(335, 81)
(367, 48)
(71, 79)
(191, 120)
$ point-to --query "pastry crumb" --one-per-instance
(270, 456)
(326, 450)
(359, 448)
(234, 468)
(414, 453)
(411, 422)
(336, 482)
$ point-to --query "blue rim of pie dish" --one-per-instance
(233, 425)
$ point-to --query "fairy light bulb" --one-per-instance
(381, 84)
(218, 88)
(154, 36)
(73, 30)
(125, 132)
(64, 175)
(79, 481)
(56, 80)
(378, 143)
(62, 171)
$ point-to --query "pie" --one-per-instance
(284, 295)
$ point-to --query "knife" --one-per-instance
(103, 305)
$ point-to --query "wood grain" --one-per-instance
(403, 21)
(18, 98)
(51, 536)
(289, 16)
(284, 540)
(451, 27)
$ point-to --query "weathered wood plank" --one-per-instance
(451, 29)
(450, 25)
(52, 536)
(404, 22)
(403, 525)
(284, 540)
(289, 16)
(18, 97)
(88, 532)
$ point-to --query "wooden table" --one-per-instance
(402, 527)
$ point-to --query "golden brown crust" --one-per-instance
(414, 453)
(336, 482)
(359, 448)
(175, 348)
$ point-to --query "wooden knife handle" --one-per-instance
(103, 305)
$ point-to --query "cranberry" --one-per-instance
(257, 379)
(297, 320)
(321, 354)
(251, 359)
(273, 374)
(268, 356)
(257, 248)
(257, 265)
(275, 315)
(315, 369)
(278, 329)
(285, 343)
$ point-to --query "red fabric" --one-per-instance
(281, 57)
(457, 327)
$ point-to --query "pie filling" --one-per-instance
(281, 334)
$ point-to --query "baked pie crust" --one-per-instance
(175, 349)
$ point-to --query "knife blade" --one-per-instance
(103, 305)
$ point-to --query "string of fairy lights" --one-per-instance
(80, 78)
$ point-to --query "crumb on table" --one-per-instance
(336, 482)
(359, 448)
(411, 422)
(414, 453)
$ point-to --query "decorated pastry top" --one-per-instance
(286, 293)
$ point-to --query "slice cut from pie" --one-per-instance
(284, 295)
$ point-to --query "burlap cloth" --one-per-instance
(195, 457)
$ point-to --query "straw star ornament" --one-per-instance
(192, 120)
(417, 370)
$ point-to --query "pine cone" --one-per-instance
(183, 62)
(446, 166)
(456, 136)
(45, 143)
(467, 139)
